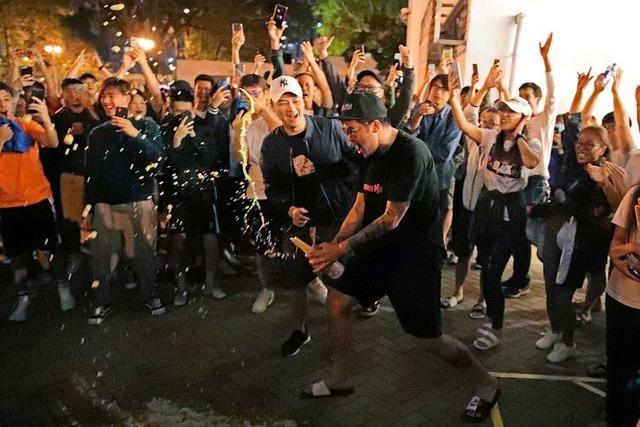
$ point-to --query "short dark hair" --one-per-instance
(253, 80)
(611, 118)
(465, 90)
(86, 76)
(70, 82)
(204, 78)
(122, 85)
(6, 87)
(443, 79)
(534, 87)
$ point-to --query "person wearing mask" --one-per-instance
(263, 122)
(193, 159)
(309, 173)
(27, 220)
(623, 316)
(540, 127)
(121, 161)
(393, 246)
(500, 211)
(73, 124)
(577, 238)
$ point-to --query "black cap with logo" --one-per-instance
(362, 106)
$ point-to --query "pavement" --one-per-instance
(214, 363)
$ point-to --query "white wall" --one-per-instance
(586, 33)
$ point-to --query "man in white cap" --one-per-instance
(310, 175)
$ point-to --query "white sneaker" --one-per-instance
(318, 290)
(67, 301)
(263, 301)
(20, 313)
(548, 340)
(561, 352)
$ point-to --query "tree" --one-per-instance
(373, 23)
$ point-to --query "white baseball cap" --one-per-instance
(516, 104)
(284, 84)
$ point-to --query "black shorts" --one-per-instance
(411, 281)
(27, 228)
(298, 272)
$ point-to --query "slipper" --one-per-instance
(477, 312)
(486, 340)
(449, 302)
(479, 409)
(320, 389)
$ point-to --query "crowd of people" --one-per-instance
(386, 186)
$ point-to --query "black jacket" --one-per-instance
(334, 158)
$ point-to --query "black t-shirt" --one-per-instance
(70, 157)
(404, 173)
(306, 184)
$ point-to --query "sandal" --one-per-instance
(478, 311)
(447, 303)
(479, 409)
(583, 318)
(486, 340)
(598, 371)
(320, 389)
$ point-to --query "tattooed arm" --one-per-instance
(353, 222)
(325, 254)
(385, 223)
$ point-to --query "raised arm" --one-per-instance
(275, 35)
(549, 110)
(397, 112)
(237, 41)
(583, 81)
(472, 131)
(620, 115)
(598, 87)
(318, 75)
(74, 71)
(152, 83)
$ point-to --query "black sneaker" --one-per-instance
(476, 266)
(292, 346)
(98, 314)
(155, 307)
(516, 292)
(371, 310)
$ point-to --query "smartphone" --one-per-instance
(237, 27)
(475, 69)
(280, 14)
(122, 112)
(26, 71)
(608, 73)
(447, 55)
(224, 84)
(397, 59)
(239, 70)
(361, 48)
(454, 70)
(37, 92)
(431, 68)
(241, 104)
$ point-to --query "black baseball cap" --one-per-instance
(181, 90)
(362, 106)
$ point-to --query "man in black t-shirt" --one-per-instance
(394, 245)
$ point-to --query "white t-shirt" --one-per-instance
(621, 287)
(541, 126)
(257, 131)
(502, 176)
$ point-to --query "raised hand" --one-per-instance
(600, 83)
(258, 62)
(544, 48)
(617, 78)
(184, 128)
(275, 33)
(584, 79)
(322, 45)
(307, 51)
(405, 54)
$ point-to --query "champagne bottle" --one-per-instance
(334, 271)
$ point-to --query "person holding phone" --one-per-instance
(27, 220)
(122, 159)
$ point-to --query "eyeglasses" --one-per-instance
(487, 124)
(368, 88)
(352, 131)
